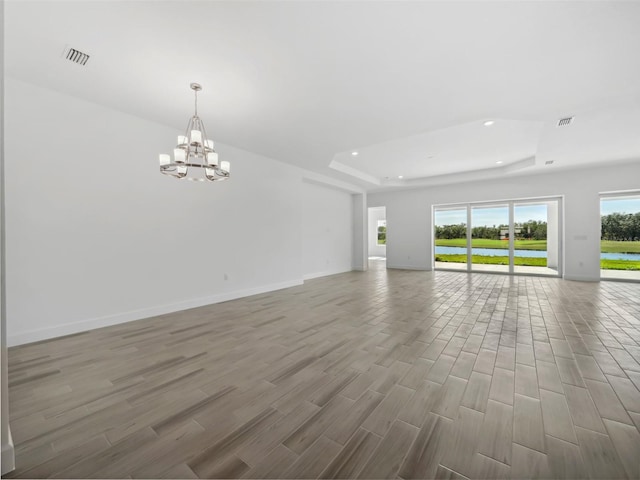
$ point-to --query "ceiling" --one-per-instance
(408, 85)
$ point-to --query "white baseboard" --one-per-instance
(408, 267)
(310, 276)
(581, 278)
(8, 456)
(108, 320)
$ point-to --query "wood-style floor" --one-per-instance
(381, 374)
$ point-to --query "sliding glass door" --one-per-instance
(620, 237)
(536, 245)
(518, 236)
(490, 238)
(450, 229)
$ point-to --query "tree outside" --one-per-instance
(382, 235)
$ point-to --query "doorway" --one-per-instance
(377, 234)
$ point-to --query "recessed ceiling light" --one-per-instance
(488, 123)
(355, 154)
(400, 177)
(499, 162)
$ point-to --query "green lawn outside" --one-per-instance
(489, 243)
(611, 246)
(606, 246)
(532, 262)
(619, 265)
(486, 260)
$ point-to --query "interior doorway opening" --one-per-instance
(377, 234)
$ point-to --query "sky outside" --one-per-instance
(627, 205)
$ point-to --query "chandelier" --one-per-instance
(194, 157)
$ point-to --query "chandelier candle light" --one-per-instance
(194, 157)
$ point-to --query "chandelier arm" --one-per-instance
(187, 133)
(197, 124)
(205, 150)
(204, 132)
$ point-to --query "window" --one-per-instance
(382, 232)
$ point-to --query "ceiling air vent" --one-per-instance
(549, 162)
(563, 122)
(76, 56)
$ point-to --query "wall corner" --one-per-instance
(360, 247)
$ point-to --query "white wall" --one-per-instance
(326, 230)
(7, 459)
(375, 250)
(97, 236)
(553, 234)
(359, 252)
(409, 241)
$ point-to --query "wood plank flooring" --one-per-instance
(378, 374)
